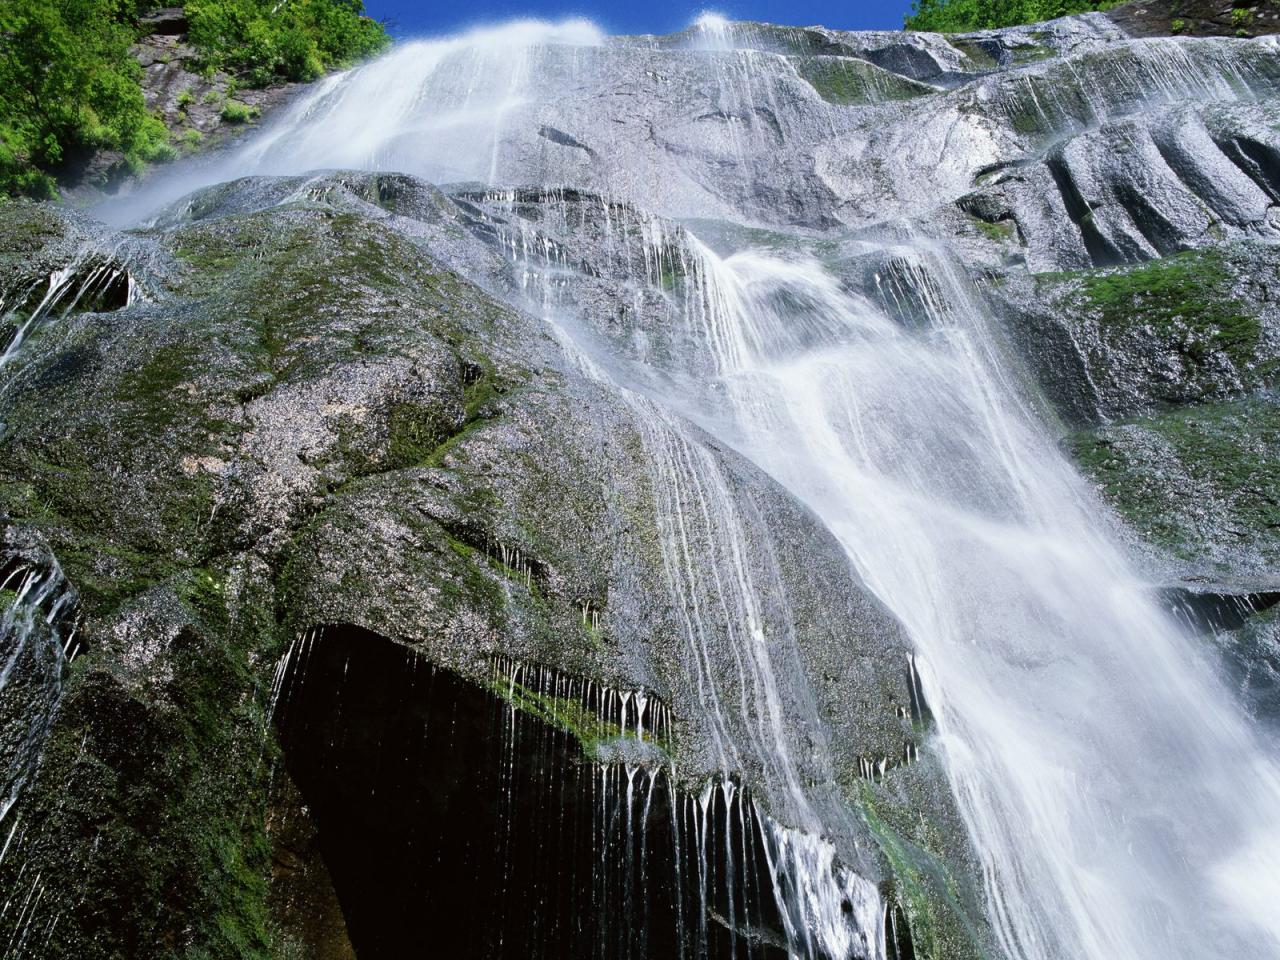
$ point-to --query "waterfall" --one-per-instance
(1118, 799)
(1119, 802)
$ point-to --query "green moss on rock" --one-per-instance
(1202, 482)
(1188, 296)
(155, 850)
(922, 887)
(851, 82)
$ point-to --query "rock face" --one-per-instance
(303, 411)
(1160, 18)
(317, 421)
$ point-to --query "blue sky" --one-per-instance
(634, 16)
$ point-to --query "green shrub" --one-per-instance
(263, 40)
(233, 111)
(161, 153)
(69, 86)
(958, 16)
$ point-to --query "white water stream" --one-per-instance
(1119, 800)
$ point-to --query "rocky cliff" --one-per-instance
(296, 474)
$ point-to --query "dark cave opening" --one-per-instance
(454, 825)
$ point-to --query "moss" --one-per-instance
(1191, 289)
(156, 850)
(924, 889)
(571, 716)
(1188, 300)
(848, 82)
(441, 452)
(1029, 120)
(302, 270)
(980, 61)
(414, 433)
(108, 551)
(202, 592)
(1001, 230)
(670, 275)
(153, 384)
(1033, 53)
(484, 386)
(1190, 478)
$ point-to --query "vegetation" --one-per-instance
(958, 16)
(70, 86)
(263, 40)
(1187, 295)
(233, 111)
(1194, 477)
(848, 81)
(570, 715)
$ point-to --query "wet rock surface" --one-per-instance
(336, 398)
(311, 419)
(1155, 18)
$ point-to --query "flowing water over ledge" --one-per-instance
(414, 776)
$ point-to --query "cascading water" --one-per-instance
(1050, 667)
(93, 281)
(1119, 802)
(38, 637)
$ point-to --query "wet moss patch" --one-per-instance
(154, 849)
(1188, 296)
(923, 890)
(1202, 481)
(850, 82)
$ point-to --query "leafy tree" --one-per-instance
(956, 16)
(68, 85)
(266, 40)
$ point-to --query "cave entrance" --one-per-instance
(453, 825)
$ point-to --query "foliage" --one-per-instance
(958, 16)
(68, 86)
(265, 40)
(233, 111)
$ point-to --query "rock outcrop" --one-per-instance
(427, 415)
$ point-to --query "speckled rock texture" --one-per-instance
(327, 399)
(303, 416)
